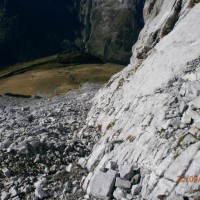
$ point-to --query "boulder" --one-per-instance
(119, 193)
(102, 184)
(124, 184)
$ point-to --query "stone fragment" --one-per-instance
(129, 196)
(40, 193)
(190, 77)
(21, 148)
(102, 184)
(52, 169)
(187, 118)
(87, 181)
(188, 139)
(6, 172)
(190, 116)
(69, 167)
(124, 184)
(82, 162)
(67, 187)
(119, 193)
(5, 144)
(34, 143)
(136, 179)
(5, 195)
(13, 191)
(194, 88)
(126, 170)
(27, 189)
(176, 123)
(195, 103)
(40, 182)
(183, 89)
(135, 190)
(183, 107)
(166, 124)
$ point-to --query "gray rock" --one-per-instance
(191, 88)
(21, 148)
(195, 103)
(6, 172)
(119, 193)
(5, 144)
(126, 170)
(176, 123)
(86, 181)
(136, 179)
(27, 189)
(13, 191)
(129, 196)
(102, 184)
(135, 190)
(5, 195)
(34, 142)
(40, 193)
(82, 162)
(124, 184)
(40, 182)
(183, 89)
(69, 167)
(194, 88)
(187, 118)
(68, 187)
(183, 107)
(52, 169)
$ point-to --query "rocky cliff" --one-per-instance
(107, 29)
(33, 28)
(149, 115)
(112, 27)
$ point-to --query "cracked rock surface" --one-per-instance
(149, 113)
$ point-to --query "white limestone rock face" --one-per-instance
(149, 112)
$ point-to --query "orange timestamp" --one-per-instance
(192, 179)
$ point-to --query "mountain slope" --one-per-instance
(32, 29)
(113, 27)
(149, 113)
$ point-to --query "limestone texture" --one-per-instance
(150, 112)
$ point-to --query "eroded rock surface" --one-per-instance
(149, 113)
